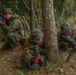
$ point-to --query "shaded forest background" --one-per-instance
(63, 10)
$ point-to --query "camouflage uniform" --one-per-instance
(65, 27)
(14, 29)
(65, 38)
(28, 52)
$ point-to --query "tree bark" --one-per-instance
(31, 15)
(75, 13)
(50, 33)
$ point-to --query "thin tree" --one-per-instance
(31, 15)
(50, 33)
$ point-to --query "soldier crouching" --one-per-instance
(30, 55)
(13, 27)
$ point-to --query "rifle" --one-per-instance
(36, 51)
(35, 62)
(71, 43)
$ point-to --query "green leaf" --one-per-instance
(19, 72)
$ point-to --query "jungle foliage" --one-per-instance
(63, 9)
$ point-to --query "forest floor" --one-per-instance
(7, 64)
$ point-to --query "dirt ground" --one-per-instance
(7, 65)
(7, 61)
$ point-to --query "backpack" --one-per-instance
(25, 26)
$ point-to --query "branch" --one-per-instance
(26, 5)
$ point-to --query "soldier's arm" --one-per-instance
(5, 27)
(12, 26)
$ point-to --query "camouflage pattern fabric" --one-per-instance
(36, 34)
(7, 10)
(14, 30)
(25, 56)
(65, 27)
(28, 52)
(26, 28)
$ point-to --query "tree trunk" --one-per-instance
(75, 12)
(75, 15)
(50, 33)
(31, 15)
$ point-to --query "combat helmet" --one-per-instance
(65, 27)
(7, 10)
(36, 34)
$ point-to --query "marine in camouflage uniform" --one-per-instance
(66, 36)
(13, 27)
(30, 50)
